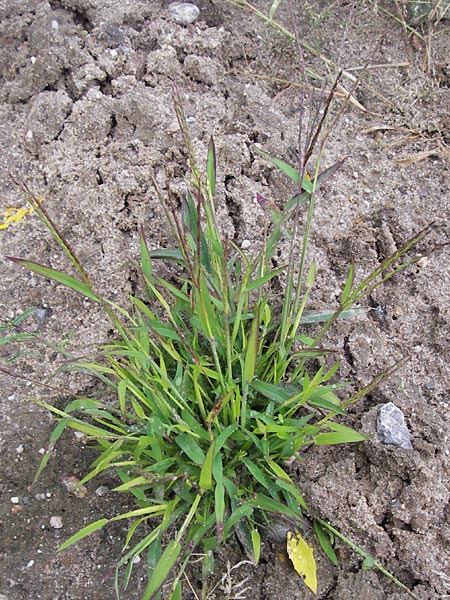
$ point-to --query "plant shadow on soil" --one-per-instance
(86, 115)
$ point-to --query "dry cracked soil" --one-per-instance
(86, 119)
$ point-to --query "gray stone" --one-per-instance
(184, 13)
(391, 427)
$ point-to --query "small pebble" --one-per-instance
(30, 563)
(56, 522)
(391, 427)
(15, 500)
(80, 436)
(246, 244)
(102, 490)
(19, 449)
(42, 314)
(40, 497)
(184, 13)
(422, 262)
(71, 483)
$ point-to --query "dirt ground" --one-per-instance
(86, 118)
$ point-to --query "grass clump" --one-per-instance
(213, 393)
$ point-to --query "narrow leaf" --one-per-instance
(211, 168)
(271, 391)
(146, 261)
(190, 447)
(252, 349)
(273, 8)
(67, 280)
(95, 526)
(325, 543)
(287, 169)
(162, 569)
(339, 437)
(121, 391)
(348, 284)
(256, 543)
(205, 481)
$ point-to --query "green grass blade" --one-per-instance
(251, 349)
(325, 543)
(146, 261)
(348, 284)
(257, 283)
(174, 255)
(67, 280)
(56, 434)
(205, 480)
(244, 510)
(190, 447)
(95, 526)
(343, 435)
(265, 503)
(162, 569)
(287, 169)
(211, 168)
(271, 391)
(274, 7)
(256, 544)
(322, 316)
(139, 512)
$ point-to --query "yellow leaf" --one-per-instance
(302, 557)
(14, 215)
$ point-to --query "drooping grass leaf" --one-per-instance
(325, 543)
(340, 435)
(85, 531)
(67, 280)
(162, 568)
(285, 168)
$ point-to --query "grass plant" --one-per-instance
(214, 391)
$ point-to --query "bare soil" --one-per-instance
(86, 118)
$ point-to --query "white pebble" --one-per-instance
(184, 13)
(56, 522)
(15, 500)
(19, 449)
(422, 262)
(246, 244)
(80, 436)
